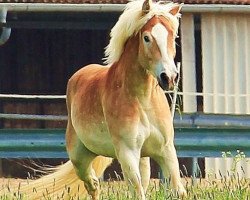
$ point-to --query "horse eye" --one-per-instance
(146, 39)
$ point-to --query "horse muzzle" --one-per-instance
(165, 82)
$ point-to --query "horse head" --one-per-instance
(157, 44)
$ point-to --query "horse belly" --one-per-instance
(96, 138)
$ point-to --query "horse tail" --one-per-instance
(63, 183)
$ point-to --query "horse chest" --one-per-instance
(161, 133)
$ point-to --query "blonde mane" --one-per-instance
(130, 22)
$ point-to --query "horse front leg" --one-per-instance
(129, 159)
(170, 167)
(145, 171)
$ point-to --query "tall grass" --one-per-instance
(230, 187)
(224, 189)
(234, 188)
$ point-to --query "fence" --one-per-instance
(196, 135)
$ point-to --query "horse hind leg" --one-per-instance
(81, 159)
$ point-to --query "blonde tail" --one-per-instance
(63, 183)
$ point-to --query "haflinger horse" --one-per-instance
(120, 110)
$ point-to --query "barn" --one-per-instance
(43, 42)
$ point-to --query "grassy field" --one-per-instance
(233, 189)
(230, 189)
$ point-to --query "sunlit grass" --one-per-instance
(234, 188)
(230, 187)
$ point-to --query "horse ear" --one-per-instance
(176, 9)
(146, 6)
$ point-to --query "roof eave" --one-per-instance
(50, 7)
(215, 8)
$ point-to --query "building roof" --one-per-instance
(234, 2)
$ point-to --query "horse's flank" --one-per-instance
(85, 90)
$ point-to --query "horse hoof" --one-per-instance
(182, 193)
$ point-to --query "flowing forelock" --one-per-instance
(131, 21)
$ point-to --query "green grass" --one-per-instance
(230, 189)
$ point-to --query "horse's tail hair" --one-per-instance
(63, 183)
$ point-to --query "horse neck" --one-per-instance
(133, 78)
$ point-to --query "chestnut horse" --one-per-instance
(120, 110)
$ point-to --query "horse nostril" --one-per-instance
(164, 78)
(166, 82)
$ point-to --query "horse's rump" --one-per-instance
(84, 88)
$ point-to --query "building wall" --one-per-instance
(216, 77)
(226, 80)
(226, 63)
(40, 61)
